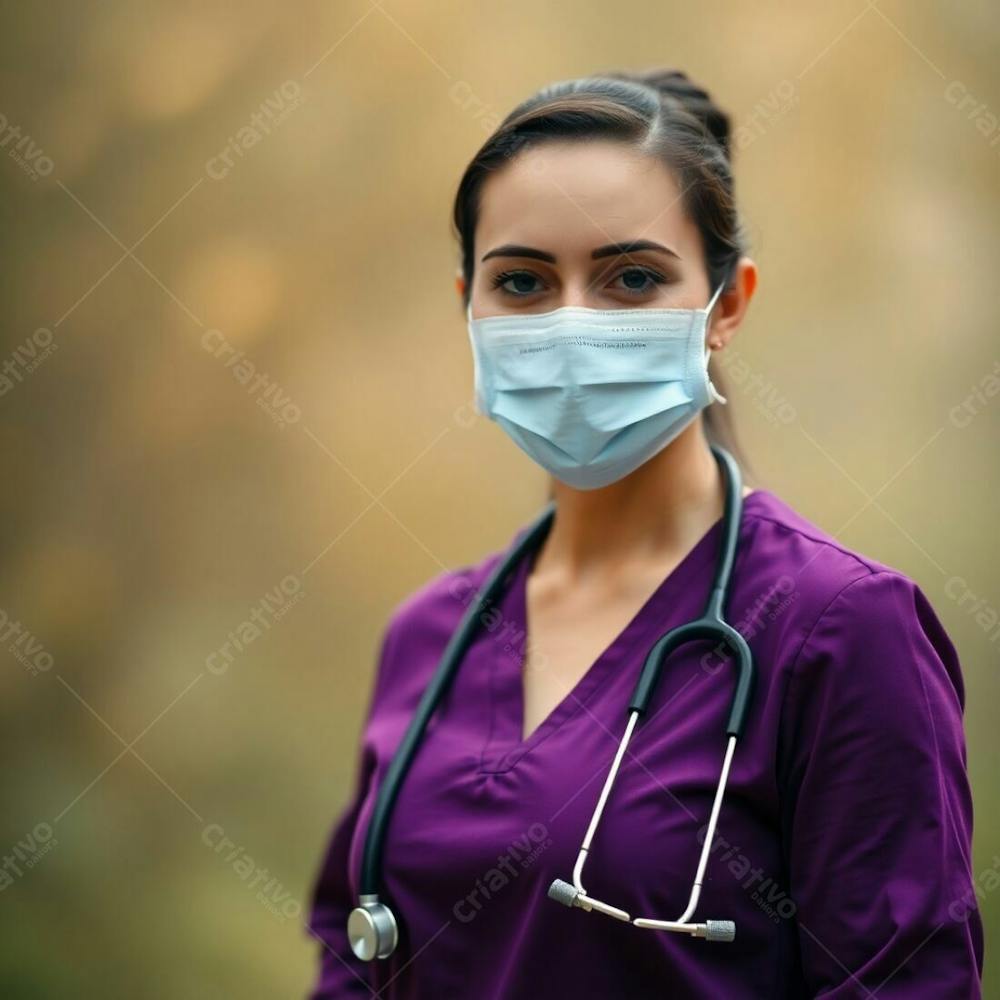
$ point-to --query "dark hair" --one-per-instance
(663, 114)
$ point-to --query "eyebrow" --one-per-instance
(611, 250)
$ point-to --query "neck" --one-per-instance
(662, 508)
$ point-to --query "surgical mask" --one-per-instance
(592, 394)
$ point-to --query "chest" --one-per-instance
(490, 819)
(569, 629)
(487, 817)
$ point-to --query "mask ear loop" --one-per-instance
(716, 395)
(478, 396)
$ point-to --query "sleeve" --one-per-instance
(877, 818)
(341, 974)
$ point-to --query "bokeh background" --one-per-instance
(238, 387)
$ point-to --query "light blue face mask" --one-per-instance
(592, 394)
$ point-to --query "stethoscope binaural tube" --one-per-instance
(372, 927)
(711, 625)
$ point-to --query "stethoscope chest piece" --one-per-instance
(372, 929)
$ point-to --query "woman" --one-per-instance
(842, 852)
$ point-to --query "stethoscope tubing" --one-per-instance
(451, 658)
(712, 624)
(375, 931)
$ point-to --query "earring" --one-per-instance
(715, 344)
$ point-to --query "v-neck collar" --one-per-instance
(504, 745)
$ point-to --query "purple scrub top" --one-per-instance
(843, 846)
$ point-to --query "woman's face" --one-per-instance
(585, 224)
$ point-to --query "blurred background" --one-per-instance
(237, 425)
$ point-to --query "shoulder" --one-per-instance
(855, 619)
(419, 626)
(442, 599)
(785, 546)
(801, 545)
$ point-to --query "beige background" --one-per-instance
(151, 499)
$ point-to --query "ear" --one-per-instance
(460, 284)
(732, 305)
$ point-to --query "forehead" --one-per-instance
(569, 197)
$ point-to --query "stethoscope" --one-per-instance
(372, 927)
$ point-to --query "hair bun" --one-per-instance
(672, 84)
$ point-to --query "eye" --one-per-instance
(520, 284)
(520, 279)
(639, 280)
